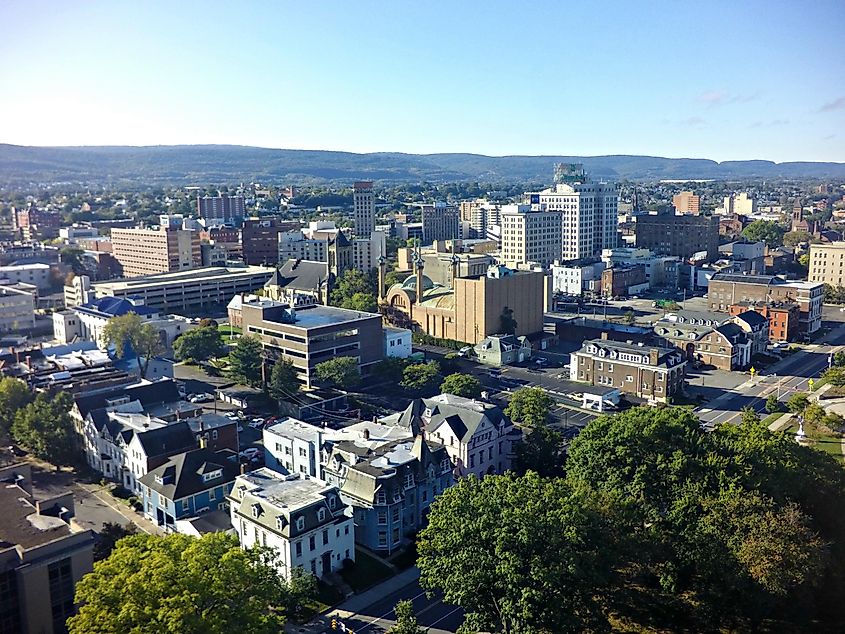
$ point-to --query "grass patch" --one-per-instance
(817, 383)
(771, 418)
(327, 596)
(366, 572)
(820, 440)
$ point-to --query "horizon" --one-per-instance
(723, 81)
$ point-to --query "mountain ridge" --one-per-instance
(204, 164)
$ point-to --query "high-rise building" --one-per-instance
(221, 209)
(440, 221)
(151, 251)
(36, 224)
(364, 204)
(686, 203)
(738, 204)
(260, 239)
(827, 263)
(530, 235)
(588, 212)
(679, 235)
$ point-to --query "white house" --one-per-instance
(305, 520)
(397, 342)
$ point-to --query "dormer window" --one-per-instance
(332, 502)
(256, 510)
(300, 523)
(381, 498)
(409, 480)
(321, 515)
(280, 522)
(211, 475)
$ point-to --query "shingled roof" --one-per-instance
(182, 475)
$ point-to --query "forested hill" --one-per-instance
(185, 164)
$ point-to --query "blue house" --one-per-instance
(187, 485)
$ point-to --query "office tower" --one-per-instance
(364, 212)
(530, 235)
(151, 251)
(440, 221)
(682, 236)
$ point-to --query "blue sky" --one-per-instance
(720, 80)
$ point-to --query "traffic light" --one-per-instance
(334, 624)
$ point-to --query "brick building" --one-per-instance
(679, 235)
(619, 281)
(783, 318)
(654, 373)
(260, 239)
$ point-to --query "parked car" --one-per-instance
(203, 397)
(250, 453)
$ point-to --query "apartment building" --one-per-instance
(783, 318)
(530, 236)
(652, 373)
(309, 335)
(738, 205)
(188, 291)
(575, 279)
(827, 263)
(686, 202)
(227, 237)
(221, 209)
(36, 224)
(364, 209)
(440, 221)
(727, 289)
(43, 555)
(622, 281)
(588, 214)
(260, 239)
(304, 519)
(668, 233)
(17, 308)
(35, 274)
(151, 251)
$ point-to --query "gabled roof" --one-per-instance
(302, 275)
(182, 474)
(752, 318)
(147, 393)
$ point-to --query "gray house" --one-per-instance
(503, 350)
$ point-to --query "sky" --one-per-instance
(725, 80)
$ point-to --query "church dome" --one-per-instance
(410, 283)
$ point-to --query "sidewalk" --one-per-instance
(781, 423)
(100, 492)
(353, 605)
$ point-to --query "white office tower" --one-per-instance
(364, 212)
(530, 236)
(588, 214)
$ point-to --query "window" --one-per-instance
(61, 592)
(300, 523)
(381, 498)
(332, 502)
(321, 515)
(299, 549)
(346, 532)
(312, 543)
(395, 514)
(302, 452)
(382, 517)
(212, 495)
(325, 537)
(280, 522)
(409, 480)
(382, 538)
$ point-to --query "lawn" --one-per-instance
(771, 418)
(826, 442)
(366, 572)
(327, 596)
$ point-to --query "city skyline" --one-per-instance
(757, 81)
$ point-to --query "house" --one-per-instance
(503, 350)
(390, 487)
(305, 520)
(300, 282)
(782, 317)
(188, 484)
(724, 346)
(477, 436)
(756, 328)
(653, 373)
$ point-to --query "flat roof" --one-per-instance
(20, 524)
(191, 275)
(292, 491)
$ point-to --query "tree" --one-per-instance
(44, 426)
(773, 404)
(814, 414)
(507, 323)
(518, 554)
(341, 372)
(542, 450)
(749, 415)
(529, 406)
(246, 361)
(363, 302)
(794, 238)
(129, 333)
(182, 584)
(108, 537)
(390, 369)
(283, 380)
(839, 359)
(199, 344)
(406, 620)
(797, 403)
(835, 375)
(766, 231)
(350, 283)
(420, 376)
(14, 395)
(72, 257)
(464, 385)
(394, 277)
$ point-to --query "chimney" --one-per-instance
(653, 356)
(29, 362)
(243, 469)
(604, 335)
(366, 434)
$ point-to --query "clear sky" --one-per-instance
(708, 78)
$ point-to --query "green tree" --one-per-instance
(794, 238)
(72, 257)
(350, 283)
(749, 415)
(464, 385)
(529, 406)
(507, 323)
(14, 396)
(199, 344)
(766, 231)
(835, 375)
(839, 359)
(773, 404)
(283, 380)
(394, 277)
(129, 332)
(44, 426)
(542, 450)
(406, 620)
(390, 369)
(340, 372)
(363, 302)
(246, 361)
(519, 554)
(108, 536)
(797, 403)
(814, 414)
(182, 585)
(420, 376)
